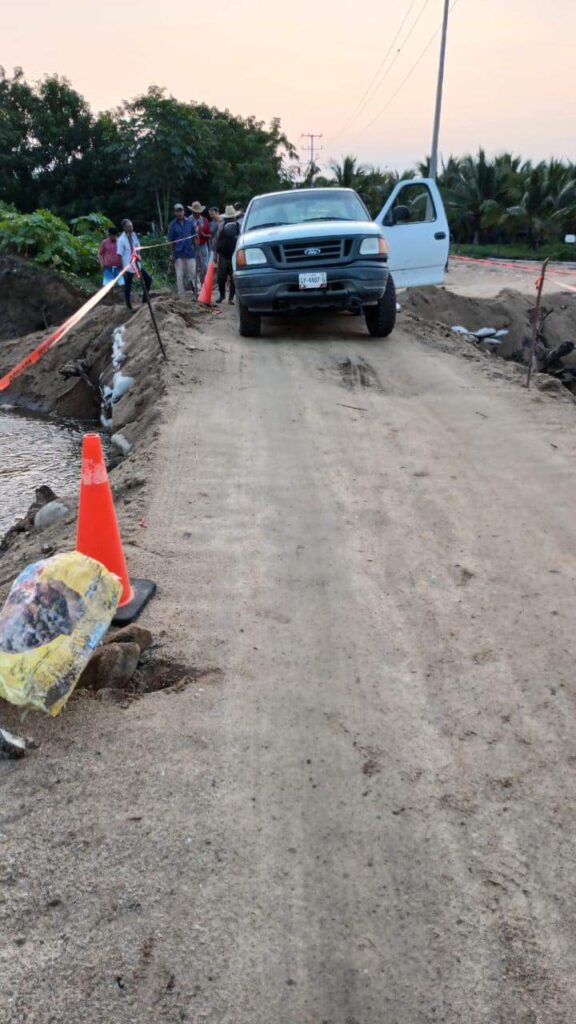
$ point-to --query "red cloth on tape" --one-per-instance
(56, 336)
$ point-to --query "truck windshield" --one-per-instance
(300, 207)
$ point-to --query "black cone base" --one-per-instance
(143, 591)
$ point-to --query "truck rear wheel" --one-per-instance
(381, 318)
(249, 322)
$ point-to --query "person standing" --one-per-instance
(225, 245)
(239, 207)
(181, 234)
(108, 257)
(203, 238)
(127, 244)
(215, 222)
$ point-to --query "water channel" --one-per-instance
(35, 450)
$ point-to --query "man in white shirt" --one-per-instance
(127, 243)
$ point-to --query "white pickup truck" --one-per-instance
(318, 248)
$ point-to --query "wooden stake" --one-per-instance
(536, 323)
(147, 297)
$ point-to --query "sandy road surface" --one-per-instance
(484, 279)
(366, 814)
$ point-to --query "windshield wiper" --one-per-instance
(270, 224)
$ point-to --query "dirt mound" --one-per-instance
(509, 311)
(87, 377)
(33, 299)
(65, 380)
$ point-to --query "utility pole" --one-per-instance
(438, 111)
(312, 136)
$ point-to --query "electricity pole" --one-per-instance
(438, 111)
(312, 136)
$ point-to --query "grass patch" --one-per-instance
(558, 251)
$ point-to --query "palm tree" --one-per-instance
(376, 186)
(348, 173)
(545, 199)
(476, 194)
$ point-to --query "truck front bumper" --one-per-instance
(350, 286)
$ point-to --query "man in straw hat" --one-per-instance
(225, 245)
(203, 237)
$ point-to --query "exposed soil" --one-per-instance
(33, 299)
(52, 386)
(157, 673)
(357, 373)
(509, 310)
(364, 812)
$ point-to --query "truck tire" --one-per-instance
(249, 322)
(381, 318)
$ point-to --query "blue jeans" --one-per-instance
(109, 273)
(202, 257)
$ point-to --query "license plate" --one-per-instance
(318, 280)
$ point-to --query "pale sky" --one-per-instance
(509, 73)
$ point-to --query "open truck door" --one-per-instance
(416, 231)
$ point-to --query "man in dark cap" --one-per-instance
(181, 233)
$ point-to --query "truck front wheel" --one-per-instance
(381, 318)
(249, 322)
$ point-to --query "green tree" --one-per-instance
(348, 173)
(545, 200)
(164, 138)
(134, 161)
(17, 110)
(475, 195)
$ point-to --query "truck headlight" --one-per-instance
(373, 246)
(252, 257)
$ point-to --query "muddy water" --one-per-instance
(35, 451)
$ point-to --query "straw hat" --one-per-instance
(197, 207)
(230, 211)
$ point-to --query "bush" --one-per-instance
(47, 240)
(517, 251)
(157, 261)
(94, 225)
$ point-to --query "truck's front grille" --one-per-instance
(304, 252)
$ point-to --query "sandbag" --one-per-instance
(56, 613)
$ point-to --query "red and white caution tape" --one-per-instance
(523, 267)
(58, 334)
(75, 319)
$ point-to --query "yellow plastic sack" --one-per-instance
(56, 613)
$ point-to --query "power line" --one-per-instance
(405, 79)
(360, 103)
(399, 51)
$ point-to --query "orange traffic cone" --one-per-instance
(205, 296)
(98, 535)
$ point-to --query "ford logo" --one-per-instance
(312, 252)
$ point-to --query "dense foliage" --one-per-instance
(49, 241)
(59, 161)
(503, 200)
(55, 154)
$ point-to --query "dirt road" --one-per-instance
(364, 812)
(483, 280)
